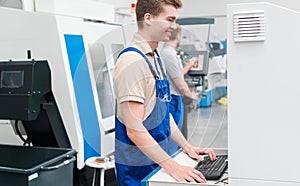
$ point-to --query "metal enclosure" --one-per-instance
(263, 84)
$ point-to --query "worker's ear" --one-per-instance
(148, 18)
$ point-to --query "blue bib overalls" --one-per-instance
(176, 109)
(132, 165)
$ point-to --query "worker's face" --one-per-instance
(163, 24)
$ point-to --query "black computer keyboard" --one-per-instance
(213, 170)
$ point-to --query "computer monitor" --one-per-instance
(201, 68)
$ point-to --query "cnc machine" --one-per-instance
(78, 46)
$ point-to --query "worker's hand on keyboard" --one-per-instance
(183, 173)
(195, 152)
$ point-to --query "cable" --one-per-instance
(26, 141)
(224, 181)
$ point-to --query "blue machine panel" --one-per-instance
(84, 95)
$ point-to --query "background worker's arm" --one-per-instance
(192, 63)
(175, 72)
(133, 113)
(184, 89)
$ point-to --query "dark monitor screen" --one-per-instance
(16, 77)
(12, 79)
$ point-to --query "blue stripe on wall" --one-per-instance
(84, 95)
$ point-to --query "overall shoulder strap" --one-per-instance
(143, 55)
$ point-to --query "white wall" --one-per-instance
(218, 7)
(217, 10)
(191, 8)
(207, 8)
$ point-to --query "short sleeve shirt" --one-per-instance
(133, 80)
(173, 65)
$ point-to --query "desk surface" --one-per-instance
(161, 177)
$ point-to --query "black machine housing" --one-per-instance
(26, 95)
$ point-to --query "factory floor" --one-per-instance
(207, 128)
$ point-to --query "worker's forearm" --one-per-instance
(145, 142)
(178, 138)
(187, 93)
(184, 89)
(187, 68)
(176, 134)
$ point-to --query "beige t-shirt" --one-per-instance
(133, 80)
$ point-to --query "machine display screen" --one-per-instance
(199, 64)
(12, 79)
(201, 67)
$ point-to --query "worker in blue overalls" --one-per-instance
(144, 126)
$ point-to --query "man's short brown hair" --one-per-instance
(154, 7)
